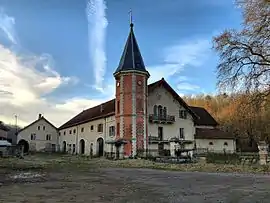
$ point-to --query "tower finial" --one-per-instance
(130, 18)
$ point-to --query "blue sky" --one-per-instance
(75, 54)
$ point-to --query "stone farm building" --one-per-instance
(143, 118)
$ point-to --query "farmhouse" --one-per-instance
(143, 118)
(40, 135)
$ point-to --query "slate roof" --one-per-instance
(205, 117)
(131, 58)
(203, 133)
(200, 115)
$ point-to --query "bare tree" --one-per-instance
(245, 55)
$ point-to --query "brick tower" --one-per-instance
(131, 98)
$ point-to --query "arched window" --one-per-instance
(160, 111)
(155, 110)
(165, 112)
(225, 144)
(210, 143)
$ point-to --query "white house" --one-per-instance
(40, 135)
(209, 137)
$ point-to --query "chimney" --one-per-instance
(39, 116)
(101, 108)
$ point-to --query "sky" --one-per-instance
(57, 57)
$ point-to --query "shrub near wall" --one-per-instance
(222, 158)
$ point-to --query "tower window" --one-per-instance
(118, 106)
(118, 129)
(139, 104)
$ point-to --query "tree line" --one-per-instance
(242, 106)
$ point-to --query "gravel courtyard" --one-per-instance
(85, 183)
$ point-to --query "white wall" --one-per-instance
(88, 135)
(218, 145)
(165, 99)
(40, 142)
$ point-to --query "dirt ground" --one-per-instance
(50, 179)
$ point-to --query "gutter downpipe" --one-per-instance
(77, 137)
(105, 137)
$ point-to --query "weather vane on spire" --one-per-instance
(130, 17)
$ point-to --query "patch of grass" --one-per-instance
(80, 164)
(222, 158)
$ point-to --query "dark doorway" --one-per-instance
(100, 146)
(82, 146)
(160, 138)
(160, 133)
(25, 145)
(64, 147)
(91, 150)
(161, 149)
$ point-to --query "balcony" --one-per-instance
(156, 139)
(161, 119)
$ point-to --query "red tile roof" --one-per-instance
(108, 109)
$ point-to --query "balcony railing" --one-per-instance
(161, 119)
(156, 139)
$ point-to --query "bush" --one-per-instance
(220, 158)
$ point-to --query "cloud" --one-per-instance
(26, 79)
(7, 26)
(23, 92)
(187, 86)
(97, 24)
(177, 57)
